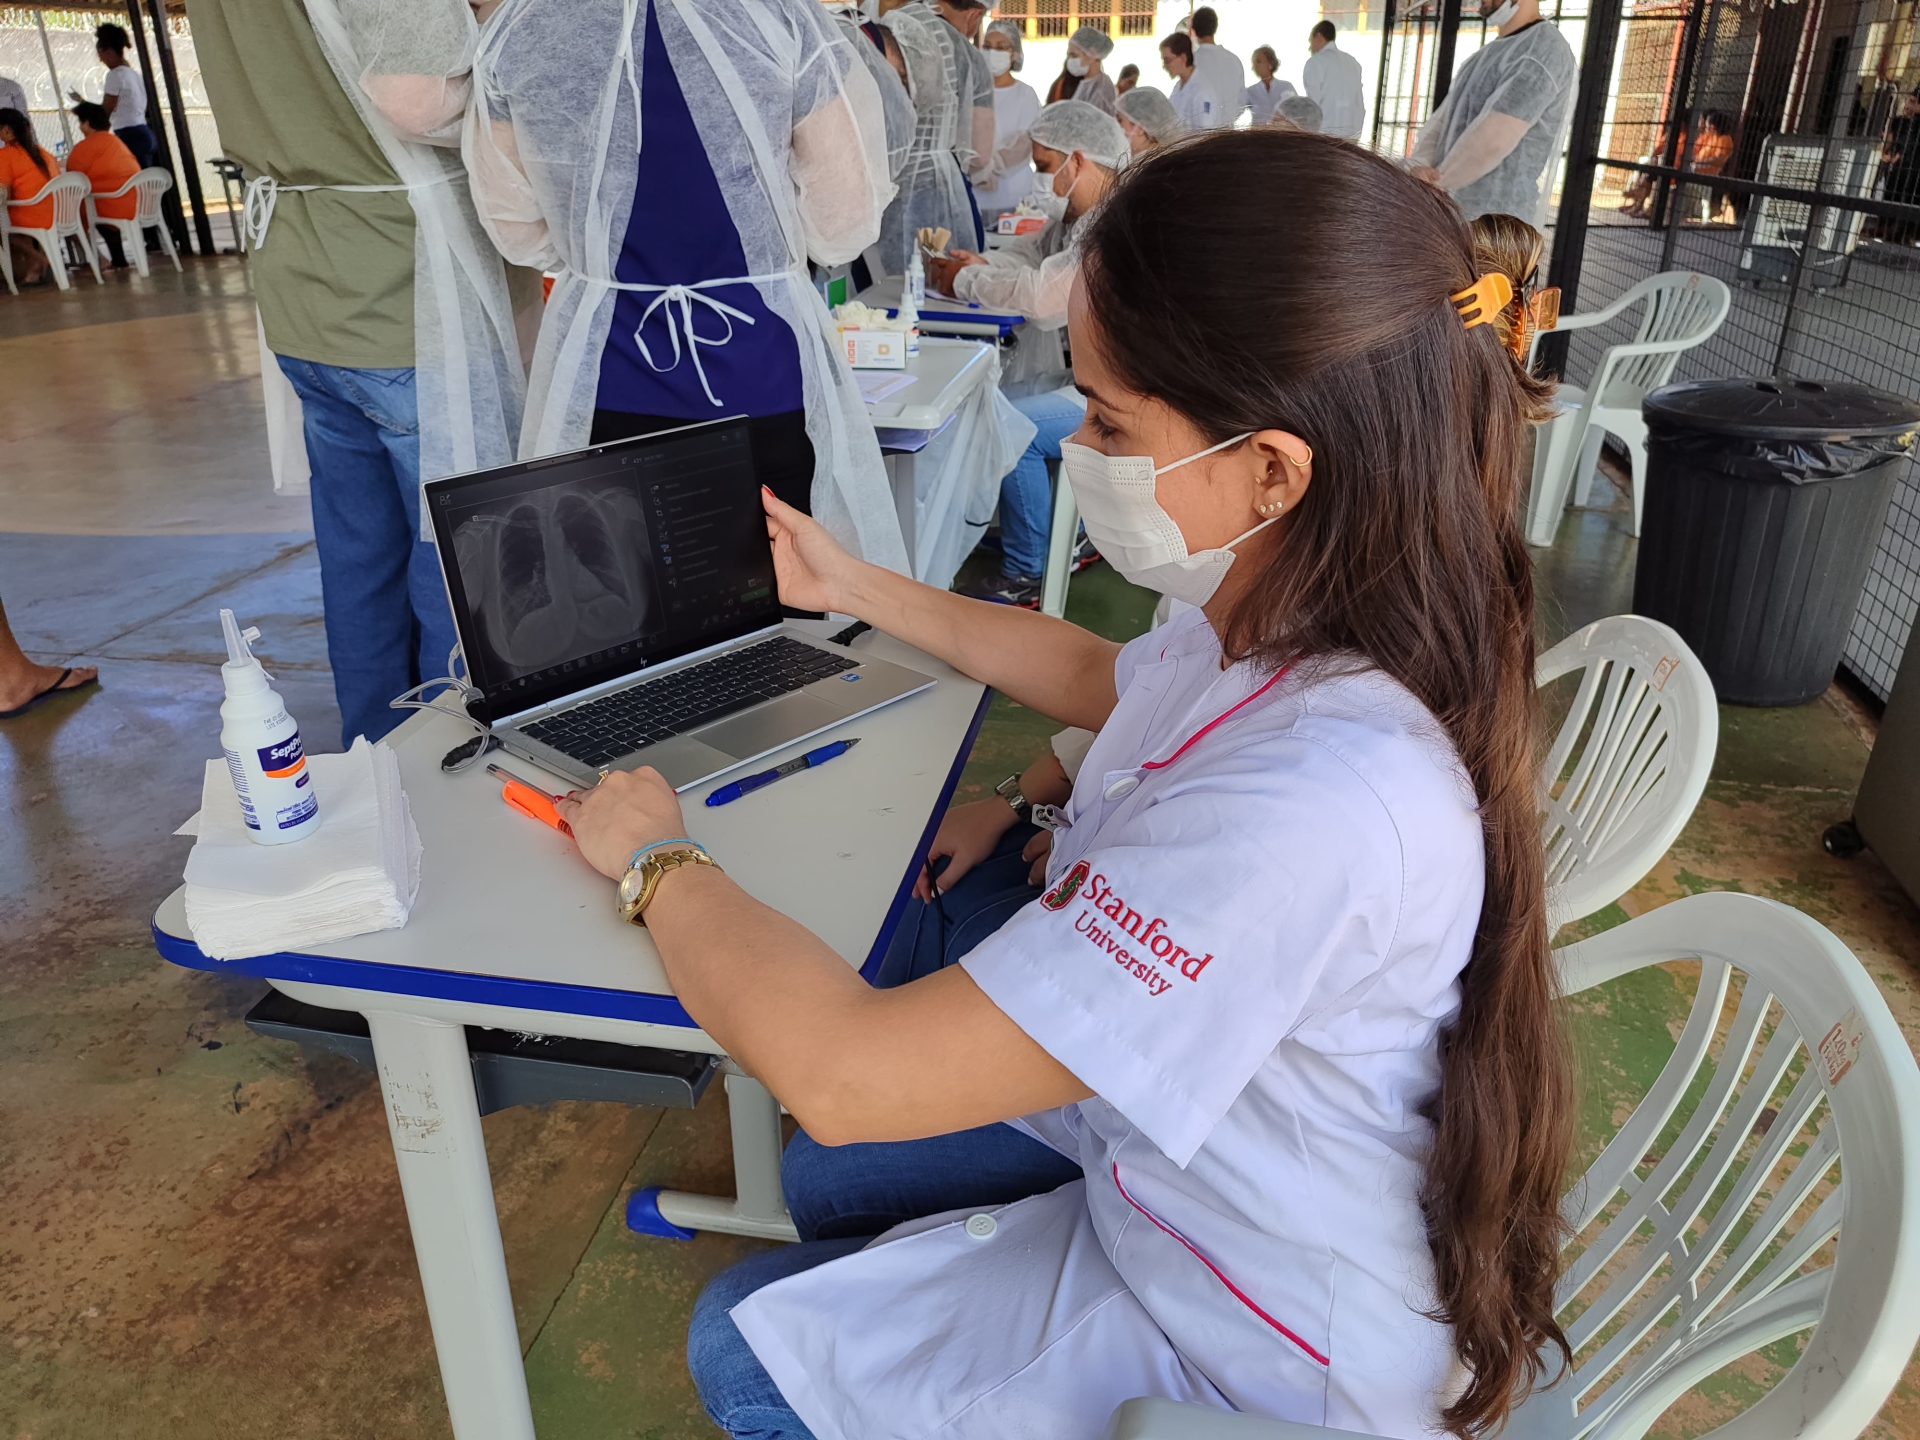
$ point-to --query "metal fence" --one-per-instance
(1760, 141)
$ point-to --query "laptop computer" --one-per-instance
(616, 608)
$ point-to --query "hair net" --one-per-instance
(1096, 43)
(1069, 125)
(1299, 111)
(1153, 112)
(1011, 29)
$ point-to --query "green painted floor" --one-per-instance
(200, 1230)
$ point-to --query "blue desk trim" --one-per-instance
(536, 994)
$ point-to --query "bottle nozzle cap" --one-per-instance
(237, 639)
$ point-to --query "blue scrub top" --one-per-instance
(680, 232)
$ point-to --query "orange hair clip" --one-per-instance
(1482, 302)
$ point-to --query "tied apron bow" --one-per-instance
(678, 300)
(263, 193)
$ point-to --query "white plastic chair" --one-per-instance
(69, 195)
(1630, 760)
(6, 254)
(1766, 1187)
(1682, 309)
(1061, 540)
(150, 185)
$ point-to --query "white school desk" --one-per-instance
(946, 374)
(512, 931)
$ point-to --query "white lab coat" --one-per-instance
(1006, 182)
(1264, 100)
(1194, 102)
(1250, 943)
(1031, 276)
(1332, 78)
(1226, 74)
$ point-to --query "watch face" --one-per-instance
(632, 884)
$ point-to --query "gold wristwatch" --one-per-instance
(643, 878)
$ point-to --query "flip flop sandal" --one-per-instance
(59, 687)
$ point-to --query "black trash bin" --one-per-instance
(1764, 501)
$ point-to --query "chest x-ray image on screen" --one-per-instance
(559, 574)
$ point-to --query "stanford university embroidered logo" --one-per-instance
(1062, 894)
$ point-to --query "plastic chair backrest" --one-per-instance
(69, 195)
(1682, 305)
(1629, 762)
(1765, 1187)
(150, 184)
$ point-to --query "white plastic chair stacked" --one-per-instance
(1629, 762)
(1785, 1203)
(1682, 310)
(150, 185)
(69, 195)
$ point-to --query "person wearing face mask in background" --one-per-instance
(1015, 107)
(1192, 98)
(1265, 1102)
(1149, 119)
(1077, 151)
(1492, 142)
(1084, 78)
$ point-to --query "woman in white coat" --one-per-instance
(1263, 1104)
(1005, 183)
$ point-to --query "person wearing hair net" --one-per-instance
(1148, 119)
(1301, 113)
(1087, 52)
(390, 319)
(1015, 105)
(1078, 152)
(1495, 137)
(884, 62)
(676, 163)
(933, 191)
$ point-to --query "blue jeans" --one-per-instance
(388, 623)
(841, 1198)
(1026, 493)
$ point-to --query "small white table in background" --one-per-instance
(513, 931)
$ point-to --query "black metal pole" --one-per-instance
(1443, 57)
(1380, 85)
(1583, 152)
(189, 170)
(170, 213)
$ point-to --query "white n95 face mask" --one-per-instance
(999, 62)
(1076, 67)
(1131, 530)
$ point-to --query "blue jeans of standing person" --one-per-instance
(1026, 492)
(844, 1196)
(387, 618)
(140, 140)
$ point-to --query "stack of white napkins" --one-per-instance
(356, 874)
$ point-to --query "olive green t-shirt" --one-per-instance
(334, 279)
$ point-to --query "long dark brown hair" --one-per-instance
(22, 129)
(1276, 279)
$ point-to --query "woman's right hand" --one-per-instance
(809, 566)
(966, 836)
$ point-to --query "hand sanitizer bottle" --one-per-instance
(263, 749)
(913, 299)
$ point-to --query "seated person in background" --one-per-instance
(25, 169)
(1149, 119)
(1299, 113)
(109, 165)
(1709, 157)
(1129, 77)
(1077, 151)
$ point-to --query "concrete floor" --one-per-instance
(200, 1230)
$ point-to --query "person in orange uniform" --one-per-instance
(25, 170)
(108, 164)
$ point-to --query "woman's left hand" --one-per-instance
(626, 810)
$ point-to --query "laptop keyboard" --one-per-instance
(601, 731)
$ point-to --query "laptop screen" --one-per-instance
(568, 572)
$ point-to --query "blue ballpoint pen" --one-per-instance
(729, 793)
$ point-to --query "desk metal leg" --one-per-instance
(906, 504)
(758, 1206)
(434, 1119)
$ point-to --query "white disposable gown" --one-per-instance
(933, 190)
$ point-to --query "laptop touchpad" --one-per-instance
(771, 726)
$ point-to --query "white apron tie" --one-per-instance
(679, 300)
(263, 193)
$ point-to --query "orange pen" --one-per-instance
(532, 803)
